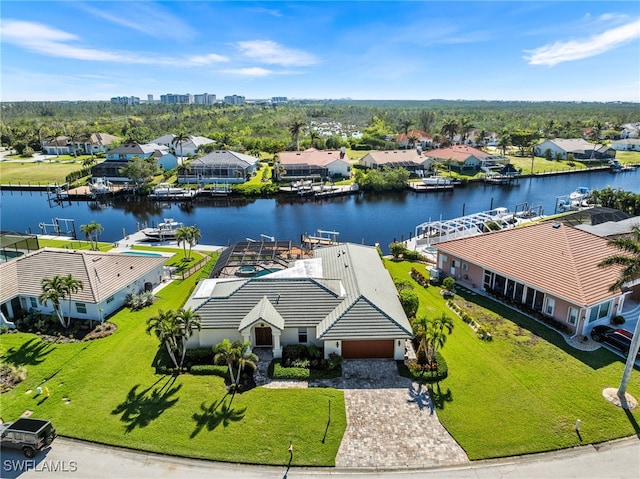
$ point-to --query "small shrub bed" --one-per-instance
(210, 370)
(421, 279)
(415, 371)
(278, 371)
(199, 356)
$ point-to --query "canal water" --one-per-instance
(367, 218)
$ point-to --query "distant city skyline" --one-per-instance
(362, 50)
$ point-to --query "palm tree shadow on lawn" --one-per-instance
(31, 353)
(142, 407)
(217, 413)
(439, 398)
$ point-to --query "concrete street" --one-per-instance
(69, 458)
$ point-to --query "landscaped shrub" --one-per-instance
(139, 301)
(421, 279)
(199, 356)
(278, 371)
(415, 371)
(410, 302)
(210, 370)
(292, 352)
(617, 320)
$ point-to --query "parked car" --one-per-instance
(618, 338)
(27, 434)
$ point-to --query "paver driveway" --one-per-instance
(391, 422)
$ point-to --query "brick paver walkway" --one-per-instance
(391, 422)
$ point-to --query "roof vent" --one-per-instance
(556, 225)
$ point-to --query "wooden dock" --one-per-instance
(321, 191)
(420, 187)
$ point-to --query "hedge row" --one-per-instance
(76, 175)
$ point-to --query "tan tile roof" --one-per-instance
(311, 156)
(456, 152)
(562, 261)
(102, 274)
(395, 156)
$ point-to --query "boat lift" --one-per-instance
(59, 227)
(474, 224)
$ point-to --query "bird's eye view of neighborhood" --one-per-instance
(319, 238)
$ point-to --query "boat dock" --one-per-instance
(320, 190)
(322, 238)
(420, 187)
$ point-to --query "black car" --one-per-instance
(618, 338)
(27, 434)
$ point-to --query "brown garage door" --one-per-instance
(377, 348)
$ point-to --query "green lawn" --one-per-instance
(107, 391)
(33, 173)
(72, 244)
(522, 392)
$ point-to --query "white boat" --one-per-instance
(165, 230)
(99, 186)
(165, 189)
(580, 194)
(615, 165)
(435, 180)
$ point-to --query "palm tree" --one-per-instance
(295, 129)
(179, 139)
(504, 143)
(404, 126)
(92, 231)
(186, 320)
(313, 134)
(629, 261)
(182, 236)
(450, 128)
(194, 235)
(71, 286)
(164, 327)
(227, 351)
(244, 358)
(465, 127)
(55, 291)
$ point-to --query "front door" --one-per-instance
(263, 336)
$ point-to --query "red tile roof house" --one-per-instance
(423, 139)
(325, 164)
(412, 160)
(461, 157)
(548, 267)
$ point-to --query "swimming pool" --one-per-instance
(141, 253)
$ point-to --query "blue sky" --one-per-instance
(419, 50)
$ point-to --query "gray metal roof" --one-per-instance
(224, 157)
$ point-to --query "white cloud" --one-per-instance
(560, 52)
(48, 41)
(269, 11)
(270, 52)
(144, 17)
(250, 72)
(201, 60)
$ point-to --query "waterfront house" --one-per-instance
(107, 279)
(630, 130)
(118, 158)
(423, 139)
(64, 145)
(580, 148)
(220, 166)
(548, 268)
(415, 161)
(342, 299)
(627, 144)
(461, 158)
(313, 163)
(189, 147)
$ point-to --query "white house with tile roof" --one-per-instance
(412, 160)
(549, 267)
(343, 300)
(219, 166)
(107, 279)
